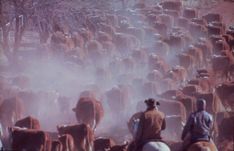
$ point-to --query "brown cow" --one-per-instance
(224, 91)
(89, 111)
(28, 122)
(11, 110)
(102, 144)
(202, 146)
(25, 139)
(56, 145)
(187, 61)
(197, 30)
(220, 66)
(82, 134)
(117, 99)
(67, 142)
(197, 53)
(214, 104)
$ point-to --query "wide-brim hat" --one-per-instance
(151, 102)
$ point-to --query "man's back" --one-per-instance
(153, 123)
(201, 125)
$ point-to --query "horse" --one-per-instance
(151, 145)
(202, 146)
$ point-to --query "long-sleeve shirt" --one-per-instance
(150, 125)
(199, 125)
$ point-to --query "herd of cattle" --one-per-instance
(164, 51)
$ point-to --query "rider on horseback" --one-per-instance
(150, 125)
(198, 126)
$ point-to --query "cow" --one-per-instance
(214, 30)
(161, 28)
(102, 144)
(28, 122)
(214, 104)
(182, 22)
(117, 99)
(67, 142)
(190, 13)
(171, 5)
(187, 61)
(197, 30)
(206, 48)
(11, 110)
(56, 145)
(22, 82)
(224, 91)
(161, 48)
(199, 21)
(220, 65)
(25, 139)
(226, 129)
(212, 17)
(166, 19)
(197, 53)
(221, 46)
(123, 147)
(178, 74)
(154, 75)
(88, 110)
(82, 134)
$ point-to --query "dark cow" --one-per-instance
(82, 134)
(67, 142)
(212, 17)
(25, 139)
(89, 111)
(28, 122)
(171, 5)
(123, 147)
(214, 30)
(103, 144)
(190, 13)
(226, 130)
(221, 46)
